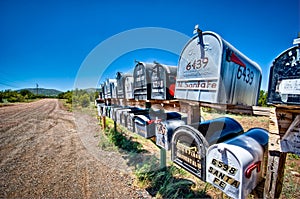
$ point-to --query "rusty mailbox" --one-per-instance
(284, 79)
(236, 166)
(145, 124)
(125, 85)
(163, 79)
(142, 81)
(212, 70)
(190, 142)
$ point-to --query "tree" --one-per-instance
(262, 100)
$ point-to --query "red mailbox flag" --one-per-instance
(231, 57)
(236, 60)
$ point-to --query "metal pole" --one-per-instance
(163, 158)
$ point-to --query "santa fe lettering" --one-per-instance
(221, 178)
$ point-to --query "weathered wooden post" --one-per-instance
(284, 126)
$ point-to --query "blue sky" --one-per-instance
(46, 42)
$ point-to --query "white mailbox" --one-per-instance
(236, 166)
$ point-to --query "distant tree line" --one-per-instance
(79, 97)
(19, 96)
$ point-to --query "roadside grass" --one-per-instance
(174, 182)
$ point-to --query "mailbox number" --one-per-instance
(246, 73)
(197, 64)
(224, 167)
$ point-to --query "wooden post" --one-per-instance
(281, 119)
(192, 109)
(103, 122)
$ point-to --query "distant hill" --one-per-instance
(43, 91)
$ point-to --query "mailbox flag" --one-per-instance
(231, 57)
(236, 60)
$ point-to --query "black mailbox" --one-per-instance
(130, 117)
(142, 81)
(163, 80)
(284, 79)
(190, 143)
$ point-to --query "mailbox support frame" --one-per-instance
(282, 118)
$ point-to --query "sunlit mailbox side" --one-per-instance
(284, 78)
(217, 74)
(142, 81)
(163, 79)
(236, 166)
(190, 142)
(125, 85)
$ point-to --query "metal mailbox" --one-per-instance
(190, 142)
(163, 79)
(100, 109)
(113, 112)
(108, 88)
(284, 79)
(130, 117)
(142, 81)
(119, 113)
(236, 166)
(125, 85)
(106, 110)
(145, 124)
(101, 91)
(164, 131)
(212, 70)
(114, 90)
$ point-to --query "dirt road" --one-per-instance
(43, 154)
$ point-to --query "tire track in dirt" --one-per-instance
(42, 155)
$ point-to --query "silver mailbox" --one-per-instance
(284, 79)
(125, 85)
(190, 143)
(108, 88)
(236, 166)
(212, 70)
(163, 79)
(142, 81)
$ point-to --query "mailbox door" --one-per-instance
(189, 150)
(199, 70)
(158, 82)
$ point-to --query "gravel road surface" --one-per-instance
(45, 153)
